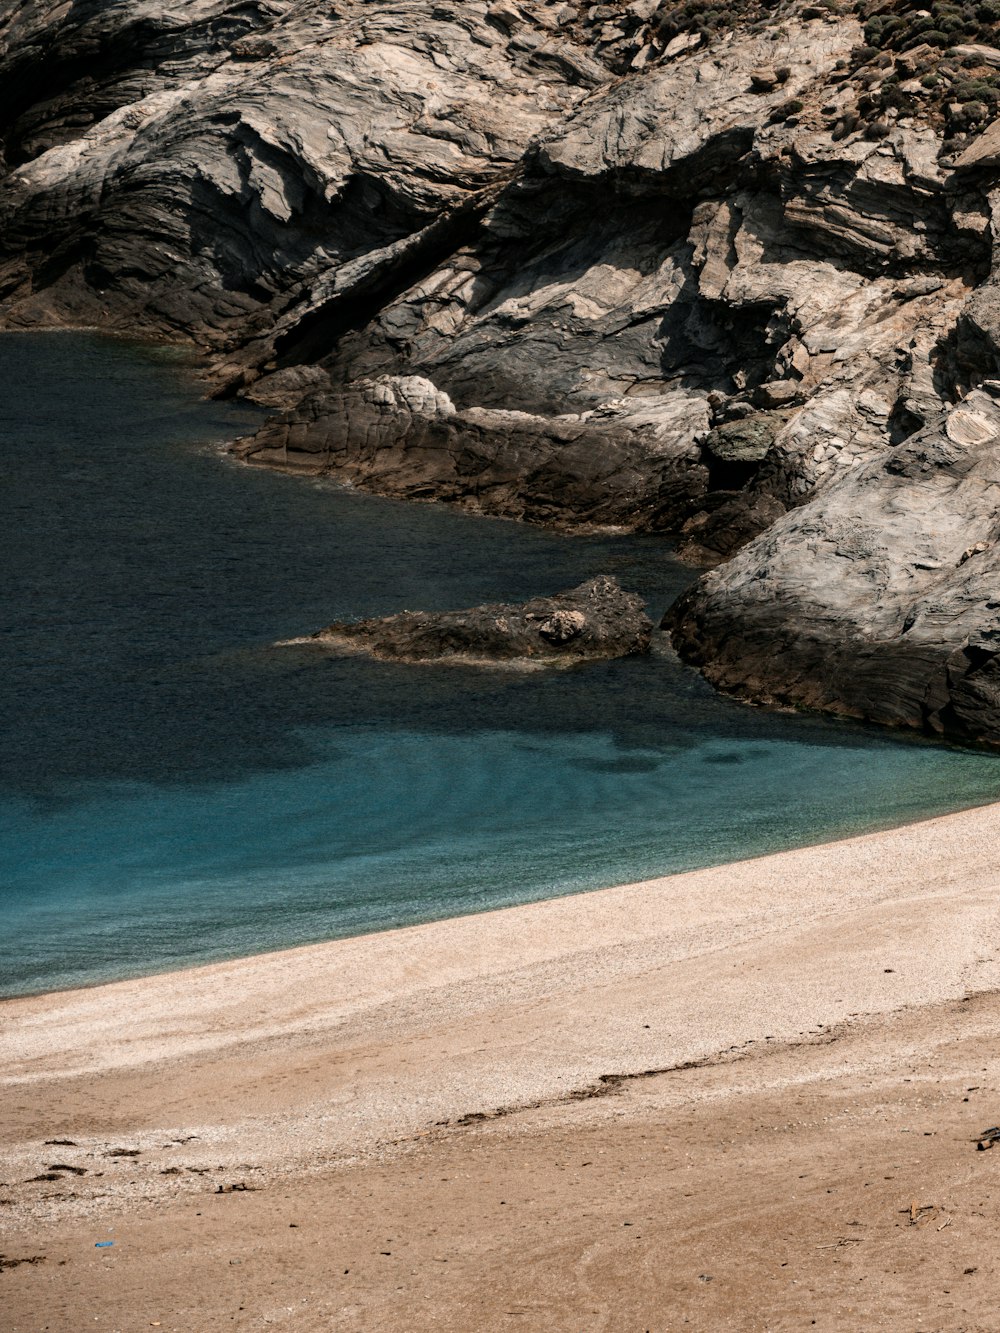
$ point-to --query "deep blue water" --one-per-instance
(174, 790)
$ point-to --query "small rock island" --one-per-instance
(595, 621)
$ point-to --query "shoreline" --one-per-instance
(384, 1081)
(436, 921)
(594, 921)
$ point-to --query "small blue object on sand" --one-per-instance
(102, 1244)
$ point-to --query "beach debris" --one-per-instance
(123, 1152)
(987, 1138)
(60, 1143)
(103, 1244)
(45, 1175)
(237, 1187)
(841, 1242)
(64, 1166)
(5, 1262)
(920, 1212)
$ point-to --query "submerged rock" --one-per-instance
(595, 621)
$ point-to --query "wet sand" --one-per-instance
(743, 1097)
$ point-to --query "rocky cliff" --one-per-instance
(723, 273)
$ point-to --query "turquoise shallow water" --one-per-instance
(174, 790)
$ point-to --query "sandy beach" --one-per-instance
(744, 1097)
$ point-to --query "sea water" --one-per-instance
(175, 788)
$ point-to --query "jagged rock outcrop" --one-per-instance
(205, 166)
(878, 600)
(596, 621)
(634, 265)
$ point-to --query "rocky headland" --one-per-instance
(729, 275)
(594, 622)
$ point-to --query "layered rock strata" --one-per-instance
(539, 258)
(596, 621)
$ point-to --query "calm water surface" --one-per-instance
(174, 790)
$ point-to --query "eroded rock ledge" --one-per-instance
(595, 621)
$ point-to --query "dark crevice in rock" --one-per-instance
(317, 335)
(727, 477)
(903, 421)
(720, 346)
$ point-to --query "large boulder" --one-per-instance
(877, 600)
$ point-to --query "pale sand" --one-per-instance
(803, 988)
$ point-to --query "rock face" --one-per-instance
(529, 258)
(633, 265)
(880, 599)
(595, 621)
